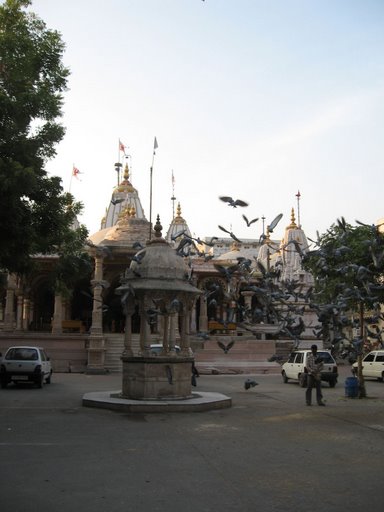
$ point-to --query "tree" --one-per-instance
(348, 267)
(35, 214)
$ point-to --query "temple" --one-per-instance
(88, 327)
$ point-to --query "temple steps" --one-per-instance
(246, 355)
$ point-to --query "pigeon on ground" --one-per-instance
(249, 383)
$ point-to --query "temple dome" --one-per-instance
(177, 227)
(124, 197)
(294, 238)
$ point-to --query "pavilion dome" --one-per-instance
(159, 267)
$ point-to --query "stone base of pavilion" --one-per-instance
(197, 402)
(157, 384)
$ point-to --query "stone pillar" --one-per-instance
(26, 314)
(57, 326)
(19, 313)
(145, 334)
(96, 348)
(9, 317)
(31, 313)
(184, 339)
(166, 334)
(129, 310)
(203, 319)
(191, 326)
(173, 319)
(97, 311)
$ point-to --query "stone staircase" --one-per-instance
(247, 354)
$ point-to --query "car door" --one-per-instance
(378, 365)
(368, 365)
(289, 366)
(299, 364)
(44, 362)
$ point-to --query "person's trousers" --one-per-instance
(313, 383)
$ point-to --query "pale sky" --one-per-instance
(255, 99)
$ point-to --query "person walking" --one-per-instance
(314, 367)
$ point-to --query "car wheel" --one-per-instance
(381, 379)
(4, 384)
(332, 383)
(302, 380)
(285, 378)
(48, 379)
(40, 382)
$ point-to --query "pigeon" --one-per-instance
(274, 223)
(249, 222)
(117, 201)
(234, 237)
(226, 348)
(249, 383)
(233, 202)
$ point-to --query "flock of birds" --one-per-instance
(278, 302)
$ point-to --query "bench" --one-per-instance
(221, 327)
(73, 325)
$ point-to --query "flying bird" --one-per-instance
(232, 235)
(117, 201)
(211, 241)
(249, 222)
(274, 223)
(249, 383)
(226, 348)
(233, 202)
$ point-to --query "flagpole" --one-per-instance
(70, 181)
(150, 188)
(173, 198)
(298, 195)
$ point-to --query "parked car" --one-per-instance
(157, 348)
(296, 367)
(25, 364)
(372, 365)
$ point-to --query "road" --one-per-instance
(268, 452)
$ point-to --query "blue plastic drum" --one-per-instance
(351, 387)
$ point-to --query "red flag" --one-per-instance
(121, 147)
(75, 172)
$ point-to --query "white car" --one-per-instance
(372, 365)
(295, 368)
(157, 348)
(25, 364)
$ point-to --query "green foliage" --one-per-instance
(348, 266)
(35, 215)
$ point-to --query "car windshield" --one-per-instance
(326, 357)
(21, 354)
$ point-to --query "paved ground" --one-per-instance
(268, 452)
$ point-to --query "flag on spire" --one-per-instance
(121, 147)
(75, 172)
(155, 145)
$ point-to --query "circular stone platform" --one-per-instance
(202, 401)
